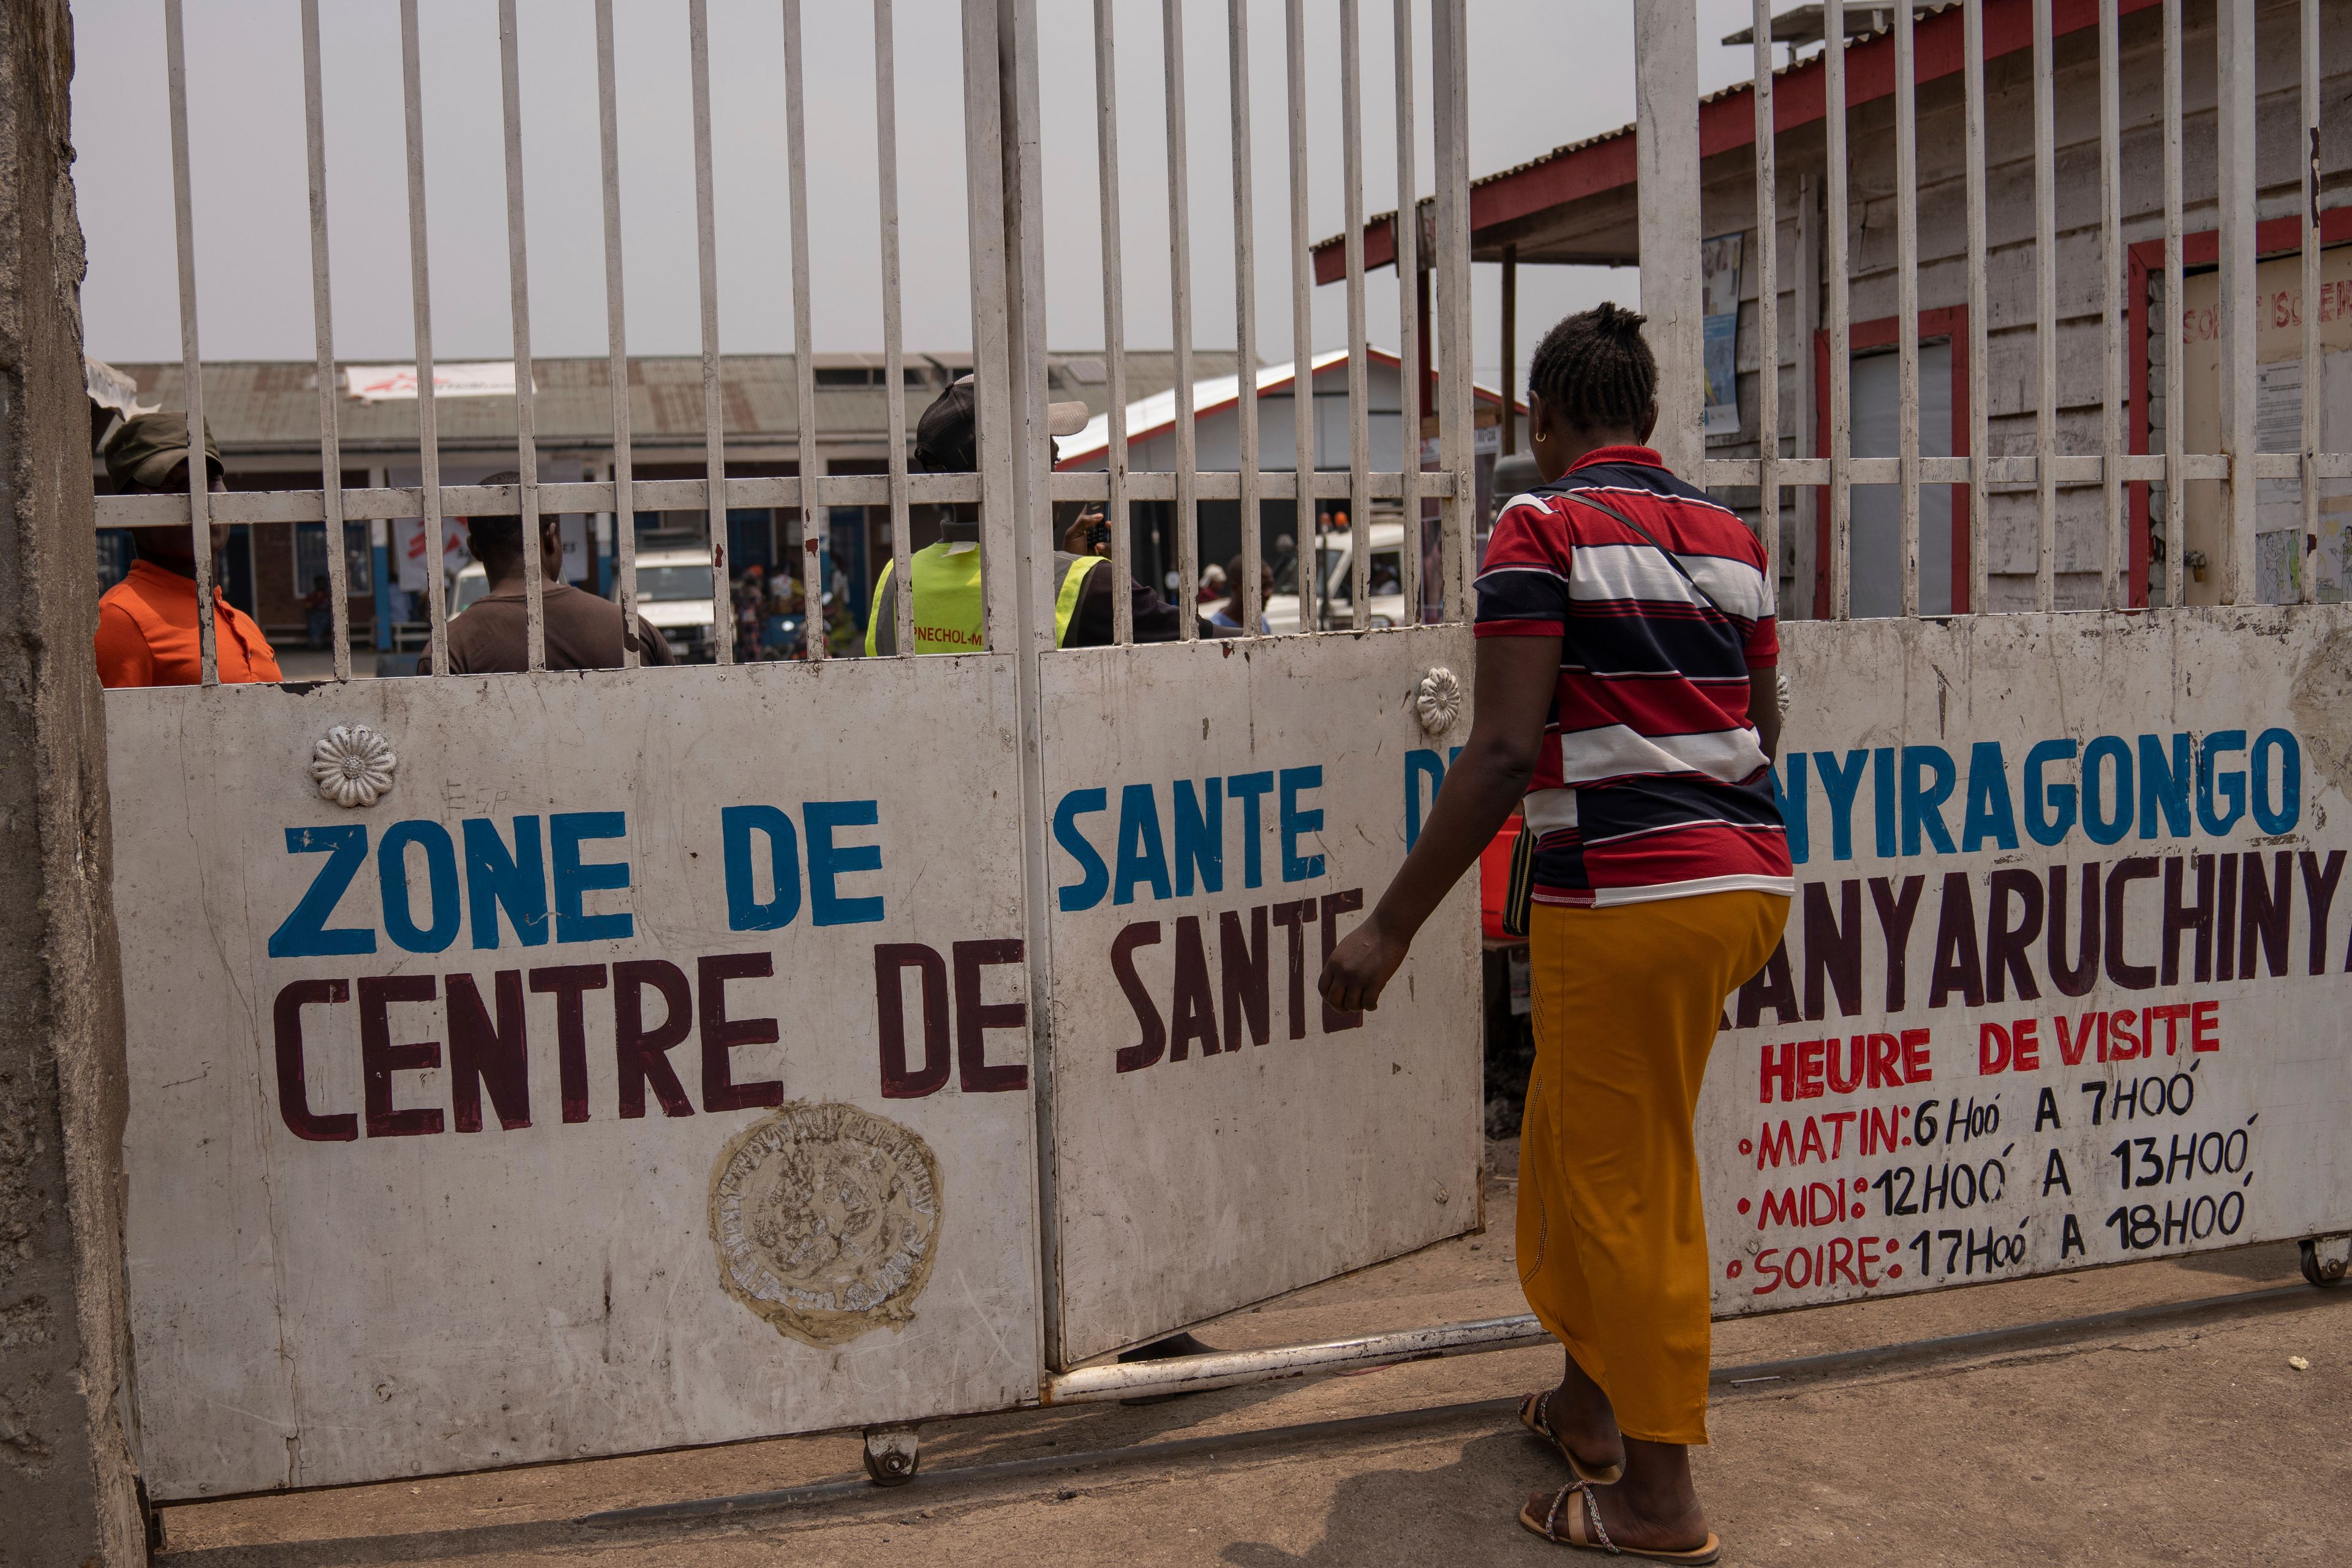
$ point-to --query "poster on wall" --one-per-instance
(409, 543)
(1718, 273)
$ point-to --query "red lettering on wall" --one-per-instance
(722, 1034)
(380, 1058)
(1192, 1010)
(293, 1090)
(898, 1082)
(975, 1018)
(642, 1053)
(482, 1053)
(1153, 1044)
(570, 983)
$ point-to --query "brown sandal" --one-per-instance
(1531, 1416)
(1586, 1534)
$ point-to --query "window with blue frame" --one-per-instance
(750, 539)
(846, 525)
(114, 556)
(311, 557)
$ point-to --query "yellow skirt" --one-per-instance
(1611, 1242)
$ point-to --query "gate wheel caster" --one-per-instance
(2326, 1259)
(893, 1453)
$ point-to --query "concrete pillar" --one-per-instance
(67, 1487)
(1666, 149)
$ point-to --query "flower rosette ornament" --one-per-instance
(353, 765)
(1437, 700)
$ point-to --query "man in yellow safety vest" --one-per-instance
(947, 609)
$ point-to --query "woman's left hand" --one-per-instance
(1360, 967)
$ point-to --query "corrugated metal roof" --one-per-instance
(1156, 413)
(1568, 148)
(258, 406)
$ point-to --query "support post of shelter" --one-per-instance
(67, 1475)
(1666, 54)
(1510, 348)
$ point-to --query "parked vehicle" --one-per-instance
(1387, 600)
(674, 596)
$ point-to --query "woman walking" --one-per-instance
(1626, 688)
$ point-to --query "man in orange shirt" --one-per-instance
(147, 623)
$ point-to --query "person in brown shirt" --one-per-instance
(582, 630)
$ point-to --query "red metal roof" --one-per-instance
(1727, 120)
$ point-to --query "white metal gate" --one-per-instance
(2063, 984)
(824, 1120)
(745, 1165)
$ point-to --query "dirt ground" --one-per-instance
(2181, 1436)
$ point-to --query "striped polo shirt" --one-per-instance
(1651, 783)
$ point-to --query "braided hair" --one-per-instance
(1595, 371)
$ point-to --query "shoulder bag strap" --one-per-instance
(1671, 559)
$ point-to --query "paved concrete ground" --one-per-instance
(2179, 1439)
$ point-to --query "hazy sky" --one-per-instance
(1542, 72)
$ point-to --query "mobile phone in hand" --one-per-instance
(1098, 536)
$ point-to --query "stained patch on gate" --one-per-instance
(826, 1221)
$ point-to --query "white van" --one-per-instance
(673, 595)
(1387, 602)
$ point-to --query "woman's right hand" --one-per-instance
(1360, 967)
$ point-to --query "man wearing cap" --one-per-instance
(948, 610)
(147, 632)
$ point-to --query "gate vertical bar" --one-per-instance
(1359, 428)
(2236, 189)
(1906, 296)
(1979, 327)
(706, 250)
(331, 454)
(1179, 283)
(1023, 209)
(1306, 537)
(1811, 434)
(2118, 572)
(184, 225)
(2045, 313)
(1449, 31)
(1835, 228)
(1115, 511)
(2176, 478)
(1665, 64)
(1407, 253)
(1246, 593)
(1767, 312)
(991, 221)
(2307, 551)
(534, 613)
(617, 348)
(1001, 171)
(805, 457)
(894, 347)
(428, 428)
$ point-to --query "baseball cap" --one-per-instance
(146, 449)
(947, 437)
